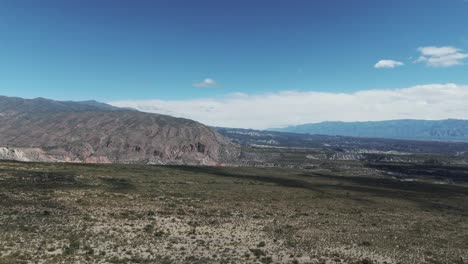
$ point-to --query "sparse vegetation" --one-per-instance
(355, 213)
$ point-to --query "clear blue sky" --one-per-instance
(116, 50)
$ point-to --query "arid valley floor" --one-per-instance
(349, 213)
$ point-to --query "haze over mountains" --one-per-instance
(93, 132)
(46, 130)
(434, 130)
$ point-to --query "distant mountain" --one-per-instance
(46, 130)
(435, 130)
(345, 144)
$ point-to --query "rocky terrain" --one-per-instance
(92, 132)
(24, 154)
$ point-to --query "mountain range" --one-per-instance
(47, 130)
(93, 132)
(428, 130)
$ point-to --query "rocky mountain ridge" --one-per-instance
(92, 132)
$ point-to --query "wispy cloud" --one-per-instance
(435, 101)
(382, 64)
(441, 56)
(207, 83)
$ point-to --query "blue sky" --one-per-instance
(214, 55)
(115, 50)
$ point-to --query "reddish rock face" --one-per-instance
(113, 136)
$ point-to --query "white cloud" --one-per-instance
(437, 51)
(435, 101)
(208, 82)
(388, 64)
(441, 56)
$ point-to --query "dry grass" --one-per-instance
(63, 213)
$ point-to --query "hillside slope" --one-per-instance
(95, 132)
